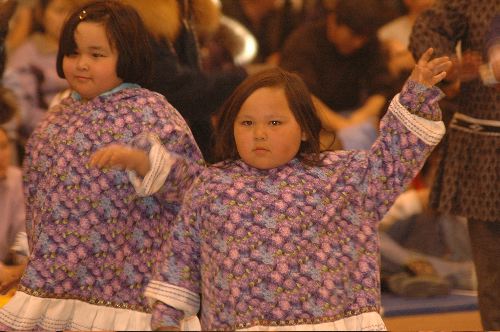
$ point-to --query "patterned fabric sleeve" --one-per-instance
(168, 142)
(421, 101)
(165, 316)
(439, 27)
(405, 142)
(30, 186)
(167, 167)
(24, 84)
(177, 281)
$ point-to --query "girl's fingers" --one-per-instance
(104, 160)
(110, 157)
(117, 161)
(440, 68)
(426, 56)
(94, 159)
(438, 63)
(438, 78)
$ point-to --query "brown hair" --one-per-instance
(299, 101)
(126, 33)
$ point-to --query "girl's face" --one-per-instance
(91, 70)
(266, 132)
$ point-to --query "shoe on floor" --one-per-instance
(404, 284)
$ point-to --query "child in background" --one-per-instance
(31, 68)
(12, 216)
(93, 242)
(279, 235)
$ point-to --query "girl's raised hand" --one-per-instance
(430, 72)
(121, 157)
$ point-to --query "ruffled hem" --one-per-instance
(369, 321)
(26, 312)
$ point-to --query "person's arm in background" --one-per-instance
(442, 27)
(21, 25)
(371, 109)
(380, 83)
(490, 72)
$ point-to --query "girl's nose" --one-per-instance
(82, 63)
(259, 133)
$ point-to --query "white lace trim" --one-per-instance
(161, 162)
(428, 131)
(26, 312)
(176, 297)
(369, 321)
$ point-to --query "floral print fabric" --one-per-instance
(92, 238)
(291, 245)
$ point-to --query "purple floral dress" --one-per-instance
(92, 239)
(297, 244)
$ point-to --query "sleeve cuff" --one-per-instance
(164, 315)
(175, 296)
(421, 100)
(161, 163)
(430, 132)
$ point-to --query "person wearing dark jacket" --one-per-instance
(342, 63)
(7, 9)
(177, 73)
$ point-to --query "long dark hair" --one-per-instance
(299, 101)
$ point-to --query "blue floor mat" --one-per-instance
(401, 306)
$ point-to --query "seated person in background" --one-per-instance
(229, 46)
(424, 253)
(21, 24)
(177, 72)
(341, 61)
(7, 9)
(395, 35)
(12, 214)
(8, 107)
(270, 21)
(31, 68)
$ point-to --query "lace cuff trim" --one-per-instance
(428, 131)
(161, 163)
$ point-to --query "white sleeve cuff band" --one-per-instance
(176, 297)
(161, 162)
(428, 131)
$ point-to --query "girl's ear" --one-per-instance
(304, 137)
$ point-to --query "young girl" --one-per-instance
(93, 241)
(279, 235)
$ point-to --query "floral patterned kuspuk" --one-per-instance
(296, 244)
(91, 237)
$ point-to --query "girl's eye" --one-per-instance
(246, 123)
(97, 55)
(275, 122)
